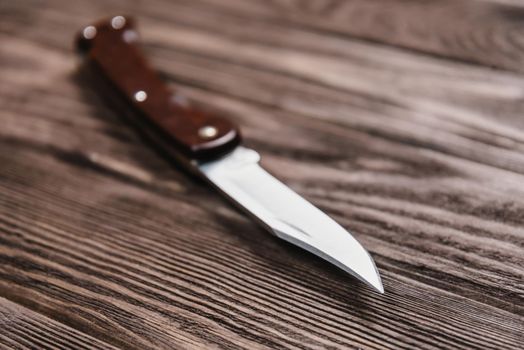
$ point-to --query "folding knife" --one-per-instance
(209, 146)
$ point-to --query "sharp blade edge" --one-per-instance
(288, 215)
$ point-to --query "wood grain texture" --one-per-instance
(26, 329)
(486, 32)
(421, 156)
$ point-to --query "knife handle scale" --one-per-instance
(125, 79)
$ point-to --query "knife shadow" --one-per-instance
(125, 128)
(292, 264)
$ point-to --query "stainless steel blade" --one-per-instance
(288, 215)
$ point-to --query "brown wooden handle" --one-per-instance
(111, 51)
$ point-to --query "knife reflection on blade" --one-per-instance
(209, 146)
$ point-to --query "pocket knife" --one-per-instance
(208, 146)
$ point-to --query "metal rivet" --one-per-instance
(118, 22)
(140, 96)
(89, 32)
(207, 132)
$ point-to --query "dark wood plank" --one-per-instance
(486, 32)
(483, 32)
(422, 157)
(22, 328)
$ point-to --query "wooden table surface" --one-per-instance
(403, 120)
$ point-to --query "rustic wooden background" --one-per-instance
(401, 119)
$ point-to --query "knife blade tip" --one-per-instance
(376, 284)
(366, 272)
